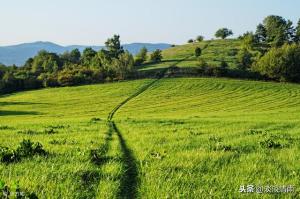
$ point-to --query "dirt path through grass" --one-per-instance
(128, 180)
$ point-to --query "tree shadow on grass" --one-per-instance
(129, 181)
(19, 103)
(12, 113)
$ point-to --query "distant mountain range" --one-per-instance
(18, 54)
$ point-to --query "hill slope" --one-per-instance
(214, 51)
(189, 137)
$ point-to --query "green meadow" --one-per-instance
(213, 52)
(155, 138)
(180, 138)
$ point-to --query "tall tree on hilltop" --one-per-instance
(223, 33)
(113, 45)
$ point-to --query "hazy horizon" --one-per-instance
(91, 22)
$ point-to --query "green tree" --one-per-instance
(277, 30)
(244, 59)
(75, 56)
(141, 57)
(46, 62)
(223, 33)
(249, 40)
(199, 38)
(113, 45)
(156, 56)
(124, 65)
(87, 56)
(198, 52)
(190, 41)
(297, 32)
(261, 33)
(281, 64)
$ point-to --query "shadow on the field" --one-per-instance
(129, 179)
(11, 113)
(19, 103)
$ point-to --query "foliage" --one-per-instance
(123, 66)
(281, 64)
(114, 47)
(199, 38)
(190, 41)
(244, 58)
(26, 149)
(71, 68)
(46, 62)
(141, 57)
(198, 52)
(249, 41)
(297, 32)
(156, 56)
(275, 31)
(87, 56)
(223, 33)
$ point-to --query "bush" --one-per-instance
(29, 149)
(199, 38)
(138, 61)
(198, 52)
(156, 56)
(26, 149)
(202, 63)
(50, 81)
(190, 41)
(244, 59)
(281, 64)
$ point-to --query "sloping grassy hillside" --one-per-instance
(214, 51)
(69, 123)
(207, 137)
(180, 138)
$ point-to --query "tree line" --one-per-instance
(273, 50)
(48, 69)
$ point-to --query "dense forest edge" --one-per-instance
(272, 52)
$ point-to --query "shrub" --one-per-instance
(190, 41)
(202, 63)
(138, 61)
(29, 149)
(281, 64)
(199, 38)
(7, 155)
(232, 52)
(223, 33)
(156, 56)
(269, 143)
(244, 58)
(25, 149)
(198, 52)
(95, 119)
(4, 127)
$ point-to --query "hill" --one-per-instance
(214, 51)
(18, 54)
(186, 137)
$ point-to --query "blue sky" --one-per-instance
(91, 22)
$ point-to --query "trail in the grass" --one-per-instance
(128, 182)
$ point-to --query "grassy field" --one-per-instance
(180, 138)
(156, 138)
(213, 52)
(69, 123)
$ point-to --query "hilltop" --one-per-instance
(213, 52)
